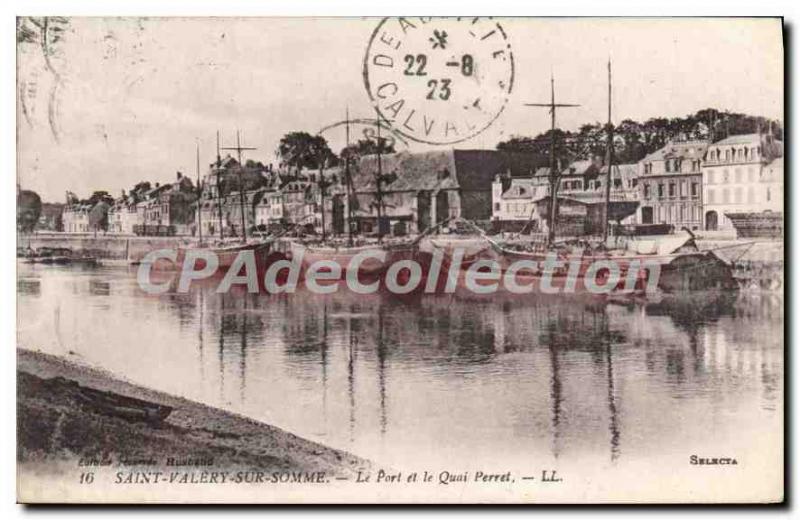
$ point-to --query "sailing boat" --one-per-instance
(227, 251)
(342, 254)
(681, 265)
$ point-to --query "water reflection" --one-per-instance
(440, 378)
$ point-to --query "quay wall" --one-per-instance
(116, 247)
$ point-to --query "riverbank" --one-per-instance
(105, 247)
(59, 434)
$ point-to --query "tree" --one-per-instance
(250, 163)
(634, 140)
(303, 150)
(367, 147)
(100, 196)
(29, 207)
(98, 216)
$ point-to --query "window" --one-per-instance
(726, 195)
(751, 195)
(497, 206)
(737, 195)
(710, 196)
(694, 189)
(671, 189)
(660, 190)
(751, 174)
(738, 175)
(711, 177)
(725, 177)
(646, 191)
(769, 194)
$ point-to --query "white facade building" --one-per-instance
(76, 218)
(742, 173)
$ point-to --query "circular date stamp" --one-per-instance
(439, 80)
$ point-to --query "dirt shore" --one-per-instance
(55, 426)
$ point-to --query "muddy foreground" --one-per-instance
(54, 425)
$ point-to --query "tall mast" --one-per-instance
(322, 186)
(379, 178)
(554, 182)
(348, 181)
(609, 159)
(239, 149)
(200, 193)
(219, 189)
(554, 176)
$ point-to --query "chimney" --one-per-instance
(180, 175)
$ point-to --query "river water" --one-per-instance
(502, 381)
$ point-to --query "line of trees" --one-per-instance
(634, 140)
(299, 150)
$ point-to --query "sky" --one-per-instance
(131, 98)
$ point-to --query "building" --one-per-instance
(268, 208)
(523, 202)
(124, 215)
(741, 174)
(514, 202)
(167, 209)
(76, 217)
(423, 189)
(220, 201)
(670, 183)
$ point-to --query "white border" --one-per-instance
(13, 8)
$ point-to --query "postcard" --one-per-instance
(400, 260)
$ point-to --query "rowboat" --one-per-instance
(109, 403)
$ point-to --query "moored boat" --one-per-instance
(342, 255)
(226, 254)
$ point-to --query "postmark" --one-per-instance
(366, 129)
(439, 80)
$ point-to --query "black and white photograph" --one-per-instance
(415, 260)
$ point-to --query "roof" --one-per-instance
(623, 171)
(521, 188)
(228, 162)
(158, 189)
(472, 170)
(679, 149)
(296, 186)
(740, 139)
(575, 168)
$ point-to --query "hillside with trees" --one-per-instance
(633, 140)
